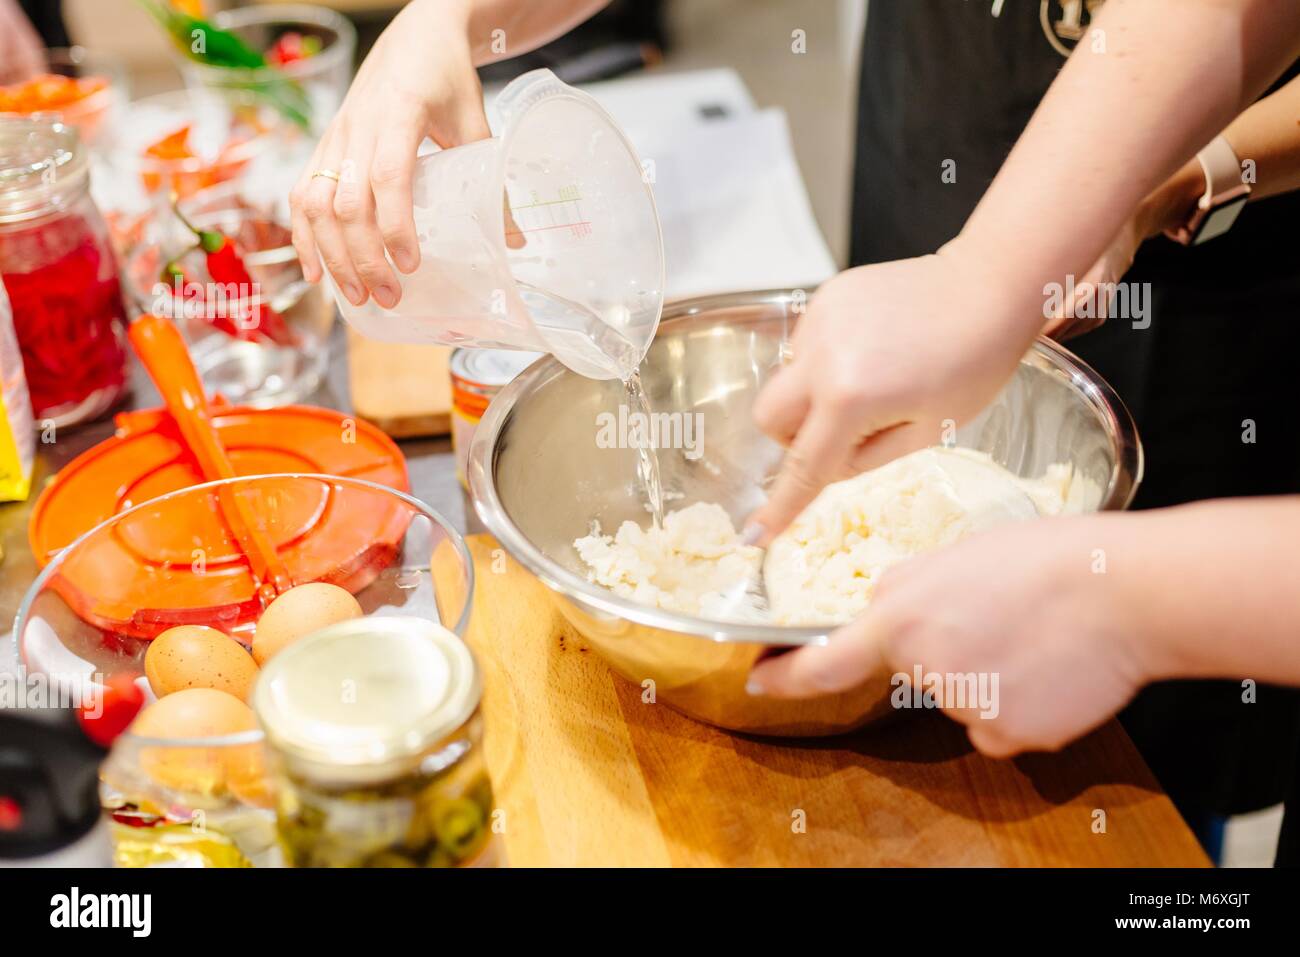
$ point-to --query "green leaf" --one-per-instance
(221, 48)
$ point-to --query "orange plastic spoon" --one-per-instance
(160, 347)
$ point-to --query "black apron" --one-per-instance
(47, 17)
(946, 80)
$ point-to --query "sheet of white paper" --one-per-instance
(732, 202)
(734, 209)
(657, 100)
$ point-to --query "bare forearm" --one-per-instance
(1211, 589)
(1268, 135)
(1156, 81)
(500, 29)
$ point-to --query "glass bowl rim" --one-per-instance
(241, 738)
(241, 152)
(285, 14)
(284, 254)
(76, 55)
(228, 192)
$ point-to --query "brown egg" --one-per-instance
(298, 612)
(197, 713)
(194, 656)
(194, 713)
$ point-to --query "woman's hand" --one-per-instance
(22, 54)
(1089, 305)
(888, 360)
(418, 80)
(1032, 608)
(1163, 211)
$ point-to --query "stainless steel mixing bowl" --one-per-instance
(539, 477)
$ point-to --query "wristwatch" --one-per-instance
(1225, 195)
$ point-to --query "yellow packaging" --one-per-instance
(17, 431)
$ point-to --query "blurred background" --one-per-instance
(746, 35)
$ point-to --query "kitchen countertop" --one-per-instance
(587, 771)
(592, 777)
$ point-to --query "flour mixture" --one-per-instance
(825, 567)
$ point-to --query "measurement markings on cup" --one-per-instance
(564, 212)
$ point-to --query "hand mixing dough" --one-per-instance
(825, 566)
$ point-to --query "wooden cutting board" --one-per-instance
(588, 774)
(405, 390)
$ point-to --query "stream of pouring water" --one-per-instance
(647, 465)
(588, 337)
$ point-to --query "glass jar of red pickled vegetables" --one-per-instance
(60, 272)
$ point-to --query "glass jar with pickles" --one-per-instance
(192, 802)
(376, 737)
(60, 273)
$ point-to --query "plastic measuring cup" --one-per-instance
(582, 276)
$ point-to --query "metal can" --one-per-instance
(376, 738)
(476, 376)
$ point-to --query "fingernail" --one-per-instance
(355, 294)
(386, 296)
(754, 689)
(752, 533)
(405, 260)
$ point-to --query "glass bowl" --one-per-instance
(208, 800)
(322, 77)
(247, 370)
(231, 134)
(98, 112)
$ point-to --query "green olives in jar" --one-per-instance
(377, 733)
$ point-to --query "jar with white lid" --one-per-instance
(375, 731)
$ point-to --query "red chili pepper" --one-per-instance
(120, 701)
(291, 47)
(173, 272)
(252, 321)
(132, 816)
(184, 289)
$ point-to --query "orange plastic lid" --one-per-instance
(325, 533)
